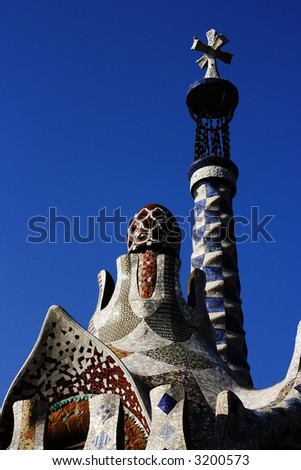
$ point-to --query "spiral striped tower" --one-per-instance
(211, 102)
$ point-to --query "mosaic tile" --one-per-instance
(147, 273)
(134, 434)
(167, 418)
(101, 441)
(213, 215)
(154, 226)
(103, 427)
(167, 431)
(167, 403)
(61, 383)
(117, 319)
(212, 190)
(179, 355)
(142, 338)
(140, 365)
(213, 273)
(30, 421)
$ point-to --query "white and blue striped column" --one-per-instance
(213, 185)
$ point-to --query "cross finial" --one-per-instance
(211, 52)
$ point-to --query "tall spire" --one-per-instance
(211, 102)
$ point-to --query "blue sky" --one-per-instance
(93, 115)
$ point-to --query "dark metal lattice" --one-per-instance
(212, 138)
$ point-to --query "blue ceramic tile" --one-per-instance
(212, 244)
(220, 336)
(197, 261)
(199, 206)
(101, 440)
(211, 190)
(167, 403)
(215, 304)
(167, 431)
(213, 273)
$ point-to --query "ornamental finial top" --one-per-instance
(211, 52)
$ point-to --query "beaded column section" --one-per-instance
(214, 251)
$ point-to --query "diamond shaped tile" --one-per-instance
(166, 431)
(167, 403)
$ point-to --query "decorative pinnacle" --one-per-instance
(211, 52)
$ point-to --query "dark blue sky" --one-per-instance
(93, 115)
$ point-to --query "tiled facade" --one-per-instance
(156, 384)
(154, 371)
(67, 366)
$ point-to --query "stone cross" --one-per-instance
(211, 52)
